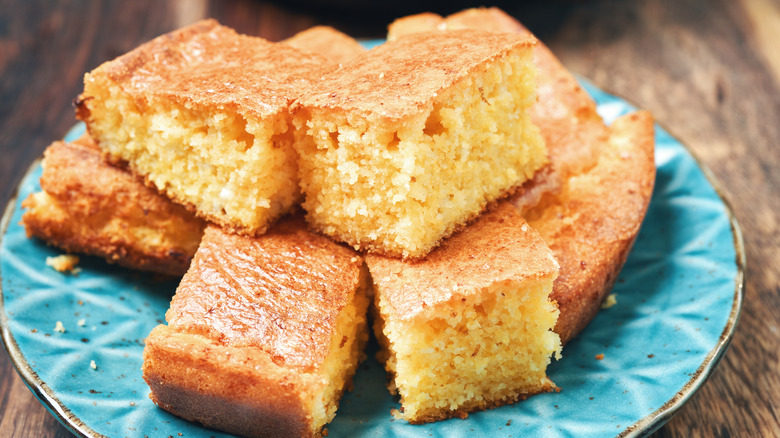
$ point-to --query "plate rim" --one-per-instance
(653, 421)
(641, 428)
(38, 387)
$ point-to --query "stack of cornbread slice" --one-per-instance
(589, 203)
(201, 115)
(90, 206)
(405, 154)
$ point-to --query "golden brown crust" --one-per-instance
(492, 19)
(209, 65)
(498, 246)
(251, 331)
(545, 181)
(464, 411)
(592, 224)
(280, 292)
(93, 208)
(238, 390)
(328, 42)
(400, 77)
(86, 141)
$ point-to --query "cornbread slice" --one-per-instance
(593, 222)
(564, 112)
(263, 335)
(405, 144)
(202, 115)
(470, 326)
(338, 47)
(87, 206)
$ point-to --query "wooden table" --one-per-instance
(707, 69)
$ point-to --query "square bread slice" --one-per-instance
(403, 145)
(564, 112)
(202, 115)
(264, 334)
(470, 326)
(90, 207)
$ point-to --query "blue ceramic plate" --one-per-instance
(678, 301)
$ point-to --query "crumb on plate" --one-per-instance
(64, 263)
(610, 301)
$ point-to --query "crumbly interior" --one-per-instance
(399, 187)
(238, 172)
(486, 350)
(346, 347)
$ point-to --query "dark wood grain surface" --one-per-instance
(709, 70)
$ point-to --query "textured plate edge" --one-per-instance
(662, 415)
(38, 387)
(652, 422)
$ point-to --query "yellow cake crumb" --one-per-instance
(610, 301)
(58, 327)
(64, 263)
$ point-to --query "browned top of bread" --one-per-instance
(400, 77)
(338, 47)
(87, 141)
(95, 208)
(498, 247)
(281, 292)
(593, 222)
(207, 64)
(493, 19)
(74, 171)
(490, 19)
